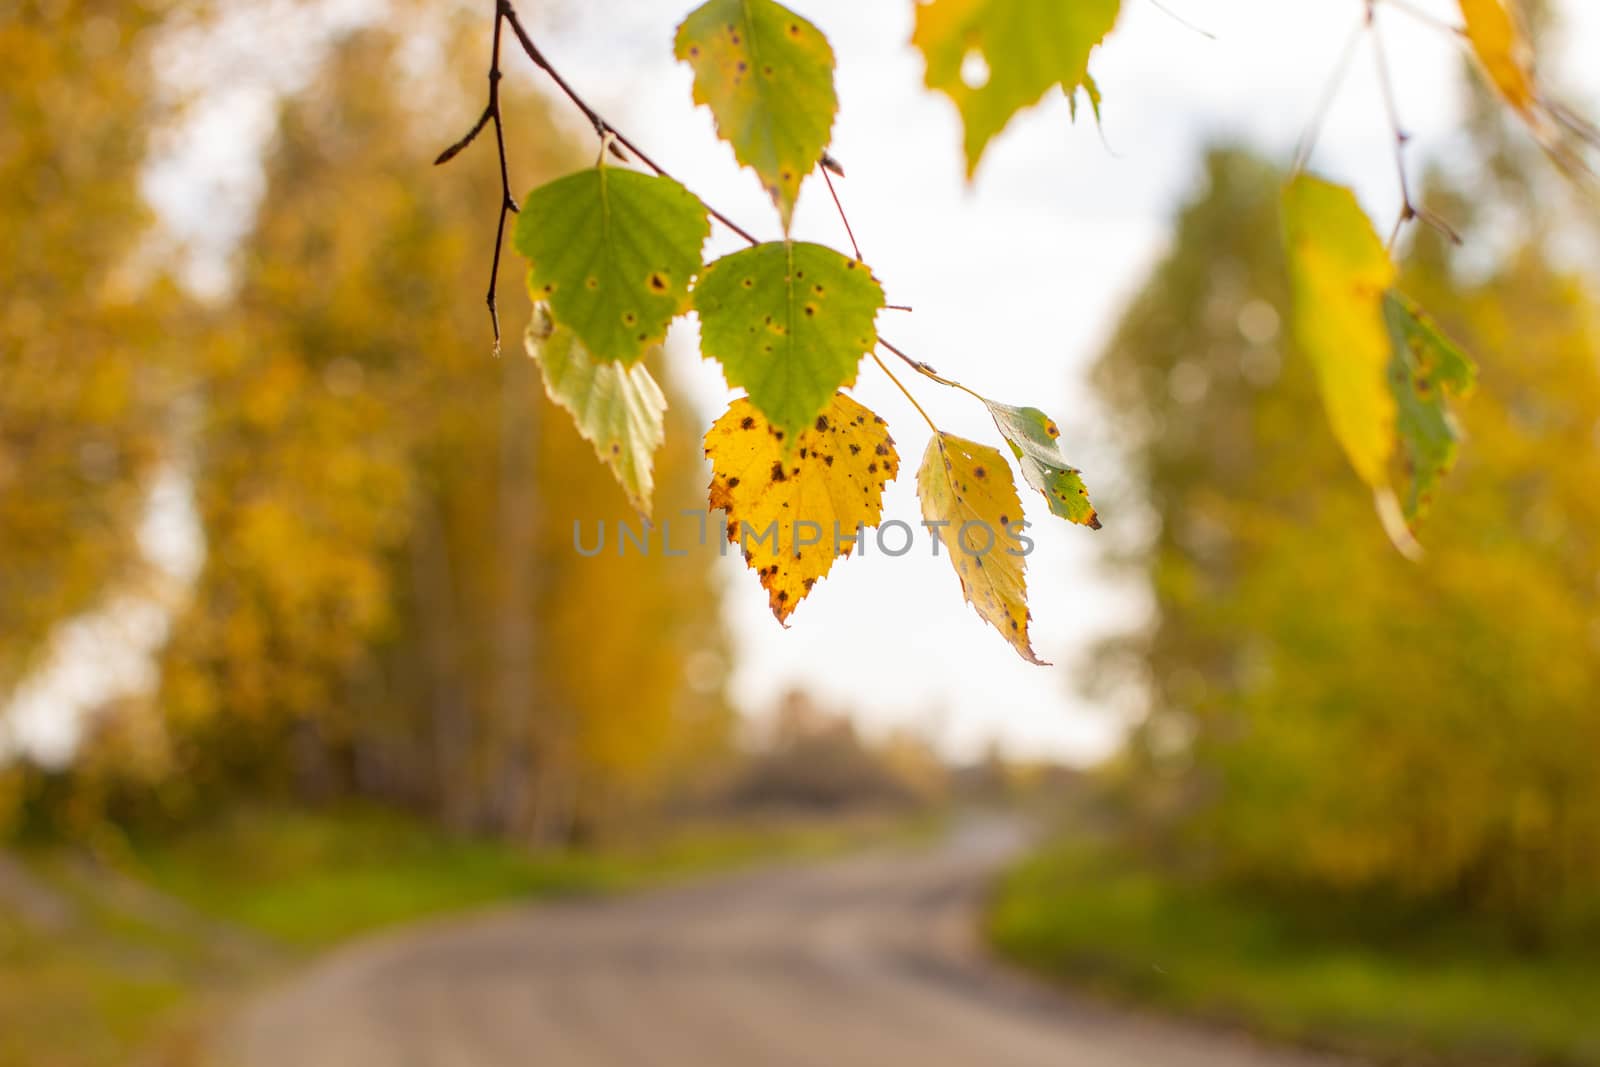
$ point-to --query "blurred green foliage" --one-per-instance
(1389, 983)
(1324, 714)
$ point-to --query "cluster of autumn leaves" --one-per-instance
(799, 467)
(616, 256)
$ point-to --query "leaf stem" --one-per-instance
(1308, 139)
(900, 386)
(1408, 206)
(1427, 19)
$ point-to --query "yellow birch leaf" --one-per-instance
(1502, 50)
(971, 504)
(1339, 272)
(792, 512)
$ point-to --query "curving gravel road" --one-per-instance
(864, 961)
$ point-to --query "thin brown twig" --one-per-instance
(849, 231)
(1409, 208)
(508, 203)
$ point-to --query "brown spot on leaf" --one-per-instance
(777, 472)
(746, 423)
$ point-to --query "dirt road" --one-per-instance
(865, 962)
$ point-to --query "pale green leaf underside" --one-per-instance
(1339, 272)
(1425, 370)
(1028, 47)
(616, 408)
(789, 322)
(767, 76)
(1033, 437)
(613, 253)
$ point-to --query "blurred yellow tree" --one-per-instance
(85, 337)
(392, 600)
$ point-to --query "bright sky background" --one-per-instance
(1016, 281)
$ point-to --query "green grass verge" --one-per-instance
(310, 880)
(135, 977)
(1444, 994)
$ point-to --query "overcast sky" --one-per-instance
(1015, 282)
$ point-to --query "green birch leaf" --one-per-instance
(1339, 272)
(996, 57)
(789, 322)
(613, 253)
(1426, 369)
(617, 408)
(767, 76)
(1034, 440)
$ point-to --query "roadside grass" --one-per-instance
(1391, 988)
(308, 880)
(154, 948)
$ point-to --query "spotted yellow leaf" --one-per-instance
(792, 511)
(1339, 272)
(971, 503)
